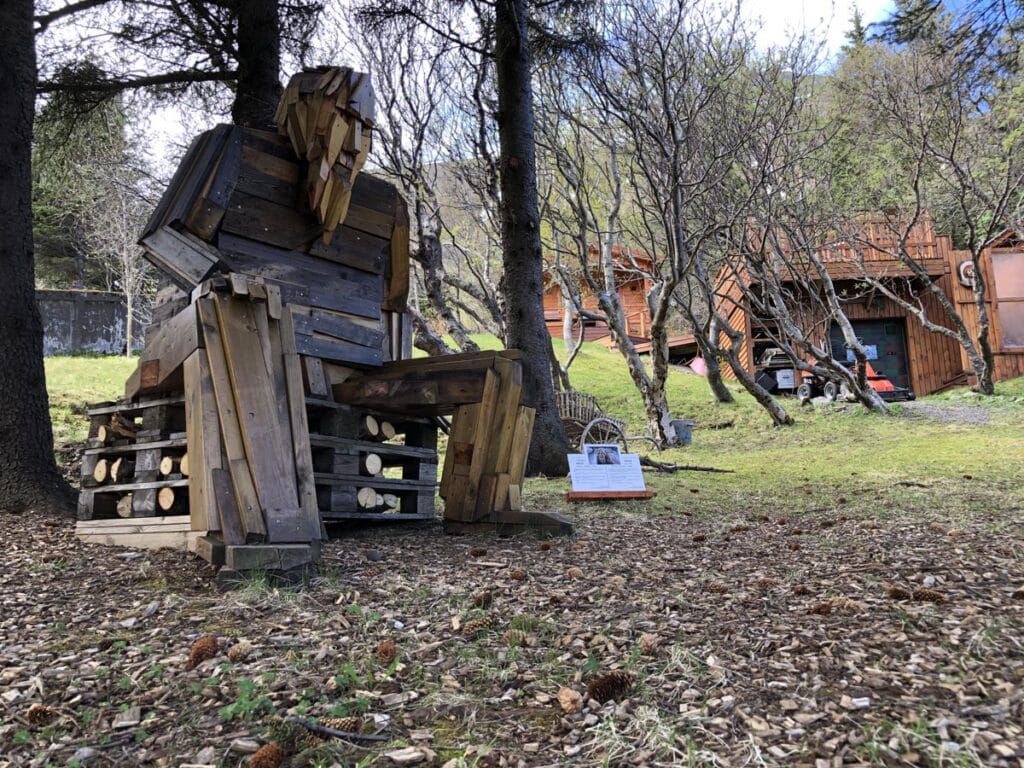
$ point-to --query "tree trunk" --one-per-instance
(424, 337)
(713, 373)
(431, 258)
(520, 235)
(764, 398)
(128, 325)
(568, 321)
(713, 368)
(984, 366)
(29, 477)
(259, 63)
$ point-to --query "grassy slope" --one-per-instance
(829, 456)
(74, 382)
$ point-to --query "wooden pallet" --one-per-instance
(151, 533)
(351, 466)
(135, 465)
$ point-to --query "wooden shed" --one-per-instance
(906, 352)
(1002, 268)
(631, 270)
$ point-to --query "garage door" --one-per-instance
(886, 342)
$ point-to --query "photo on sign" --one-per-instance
(603, 454)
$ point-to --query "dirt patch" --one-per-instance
(951, 413)
(756, 638)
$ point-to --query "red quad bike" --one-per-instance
(815, 385)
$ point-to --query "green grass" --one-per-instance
(833, 453)
(75, 382)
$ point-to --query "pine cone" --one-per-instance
(482, 599)
(545, 546)
(267, 756)
(847, 605)
(202, 649)
(1018, 594)
(574, 573)
(822, 609)
(475, 627)
(611, 685)
(649, 643)
(699, 537)
(794, 545)
(239, 651)
(801, 589)
(926, 595)
(517, 575)
(516, 638)
(40, 714)
(898, 593)
(386, 651)
(291, 737)
(716, 588)
(350, 724)
(477, 551)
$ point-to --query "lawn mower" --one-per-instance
(814, 385)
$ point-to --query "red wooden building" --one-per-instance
(631, 270)
(907, 353)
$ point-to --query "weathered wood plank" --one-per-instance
(160, 365)
(247, 501)
(273, 470)
(203, 427)
(433, 392)
(328, 348)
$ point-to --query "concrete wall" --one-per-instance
(76, 322)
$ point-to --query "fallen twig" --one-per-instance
(323, 730)
(662, 466)
(719, 425)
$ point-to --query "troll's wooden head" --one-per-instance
(327, 114)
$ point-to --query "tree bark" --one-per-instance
(764, 398)
(424, 337)
(520, 234)
(712, 365)
(29, 477)
(430, 255)
(258, 87)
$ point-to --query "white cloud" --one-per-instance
(824, 21)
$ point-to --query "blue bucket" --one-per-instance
(684, 430)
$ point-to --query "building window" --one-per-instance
(1008, 270)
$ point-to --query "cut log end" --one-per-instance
(121, 469)
(373, 464)
(183, 465)
(124, 506)
(387, 430)
(101, 471)
(366, 498)
(165, 499)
